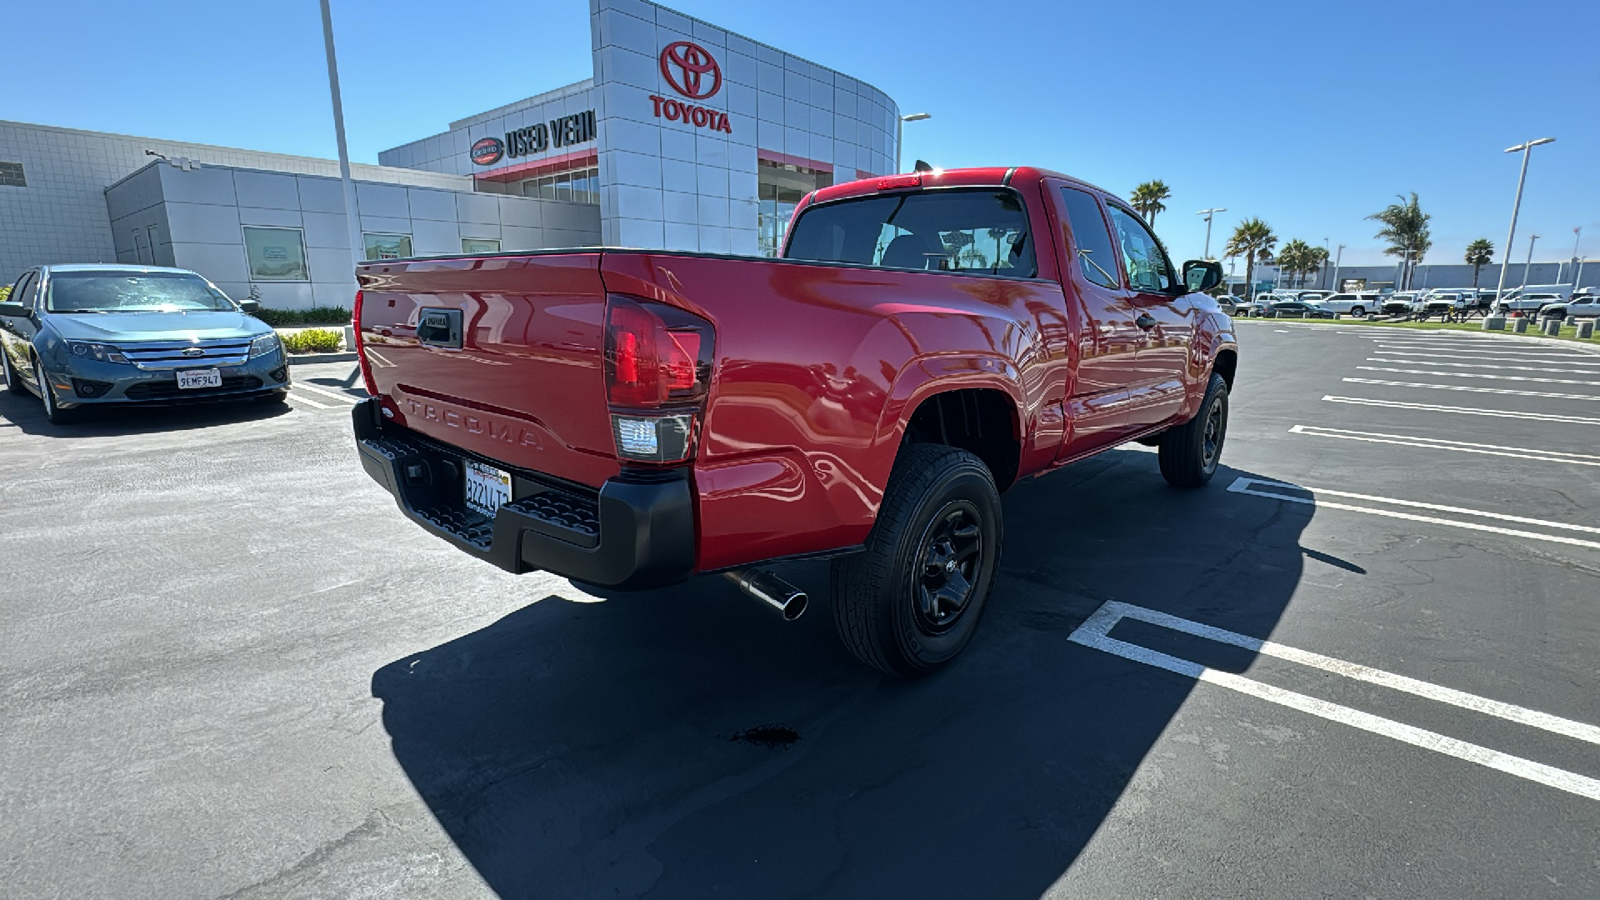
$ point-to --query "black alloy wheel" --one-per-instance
(1191, 452)
(951, 557)
(911, 600)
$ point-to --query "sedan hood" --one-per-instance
(156, 326)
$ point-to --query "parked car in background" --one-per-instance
(1399, 303)
(1351, 304)
(1288, 309)
(1581, 306)
(86, 335)
(1309, 296)
(1441, 303)
(1527, 303)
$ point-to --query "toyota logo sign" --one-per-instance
(691, 70)
(487, 151)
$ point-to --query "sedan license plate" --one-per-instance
(486, 487)
(189, 379)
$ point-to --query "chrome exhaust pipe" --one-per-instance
(771, 590)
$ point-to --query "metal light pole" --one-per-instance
(1529, 264)
(1526, 149)
(899, 133)
(1577, 235)
(351, 211)
(1208, 213)
(1337, 257)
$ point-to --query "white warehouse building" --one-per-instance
(687, 137)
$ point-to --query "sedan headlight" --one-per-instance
(265, 344)
(101, 352)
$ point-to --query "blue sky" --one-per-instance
(1310, 116)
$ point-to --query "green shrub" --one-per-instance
(312, 340)
(316, 315)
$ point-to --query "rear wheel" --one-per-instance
(47, 394)
(911, 600)
(1191, 451)
(1358, 311)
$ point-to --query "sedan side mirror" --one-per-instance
(250, 307)
(1201, 275)
(19, 310)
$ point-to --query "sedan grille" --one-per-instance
(187, 354)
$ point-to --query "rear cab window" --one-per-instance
(1091, 238)
(969, 231)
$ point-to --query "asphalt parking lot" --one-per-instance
(1364, 662)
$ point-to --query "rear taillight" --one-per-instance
(658, 370)
(360, 348)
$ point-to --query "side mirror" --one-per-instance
(19, 310)
(1200, 275)
(250, 307)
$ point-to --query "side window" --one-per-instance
(19, 293)
(1096, 260)
(1142, 256)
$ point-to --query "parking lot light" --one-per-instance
(1208, 213)
(1525, 150)
(899, 134)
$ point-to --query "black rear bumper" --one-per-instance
(636, 532)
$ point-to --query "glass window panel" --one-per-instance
(386, 246)
(1142, 256)
(275, 254)
(480, 245)
(960, 230)
(1096, 259)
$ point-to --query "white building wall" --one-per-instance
(202, 214)
(61, 216)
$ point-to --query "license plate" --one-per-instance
(486, 487)
(199, 378)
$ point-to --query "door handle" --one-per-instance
(1145, 321)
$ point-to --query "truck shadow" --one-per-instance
(685, 743)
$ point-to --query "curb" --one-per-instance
(301, 359)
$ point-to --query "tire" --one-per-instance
(912, 599)
(47, 395)
(12, 380)
(1189, 453)
(1358, 311)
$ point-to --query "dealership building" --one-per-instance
(686, 137)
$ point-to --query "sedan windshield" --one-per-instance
(100, 292)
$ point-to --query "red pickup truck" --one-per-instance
(630, 418)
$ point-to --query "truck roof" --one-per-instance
(976, 177)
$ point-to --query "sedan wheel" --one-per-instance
(47, 394)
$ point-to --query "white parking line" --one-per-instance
(1572, 360)
(1476, 390)
(307, 400)
(1532, 378)
(335, 395)
(1465, 411)
(1096, 633)
(1377, 437)
(1450, 365)
(1244, 485)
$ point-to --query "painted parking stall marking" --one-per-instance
(1096, 633)
(1531, 378)
(1464, 410)
(1375, 506)
(1451, 365)
(1404, 440)
(1549, 395)
(1576, 359)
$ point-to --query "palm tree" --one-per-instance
(1147, 197)
(1405, 227)
(1479, 254)
(1252, 238)
(1319, 258)
(1294, 257)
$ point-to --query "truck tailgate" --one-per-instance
(499, 356)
